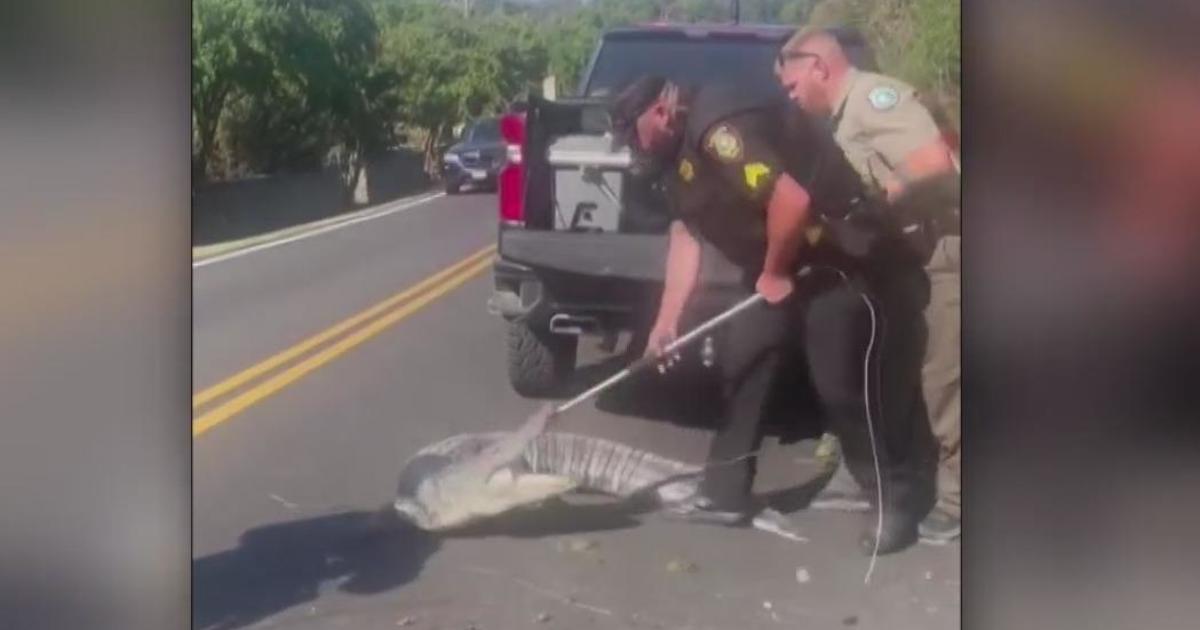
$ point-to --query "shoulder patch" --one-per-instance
(686, 170)
(754, 174)
(725, 143)
(883, 97)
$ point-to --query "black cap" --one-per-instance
(632, 101)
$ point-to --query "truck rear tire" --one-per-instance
(539, 362)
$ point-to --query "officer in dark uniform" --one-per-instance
(766, 186)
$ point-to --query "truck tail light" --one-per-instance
(511, 195)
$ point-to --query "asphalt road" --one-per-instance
(292, 464)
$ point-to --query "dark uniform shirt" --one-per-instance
(734, 149)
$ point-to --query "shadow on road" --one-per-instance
(280, 566)
(796, 498)
(557, 518)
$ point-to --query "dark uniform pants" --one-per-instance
(828, 323)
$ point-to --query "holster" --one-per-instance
(862, 230)
(927, 211)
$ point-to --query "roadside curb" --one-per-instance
(207, 252)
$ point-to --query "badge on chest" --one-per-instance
(725, 143)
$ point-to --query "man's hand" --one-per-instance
(683, 265)
(660, 337)
(774, 287)
(893, 188)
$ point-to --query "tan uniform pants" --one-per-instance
(941, 373)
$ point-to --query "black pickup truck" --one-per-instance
(582, 237)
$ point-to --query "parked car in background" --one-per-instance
(476, 159)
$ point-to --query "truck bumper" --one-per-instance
(462, 176)
(518, 291)
(616, 278)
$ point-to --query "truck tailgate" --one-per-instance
(635, 257)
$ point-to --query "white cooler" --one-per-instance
(588, 178)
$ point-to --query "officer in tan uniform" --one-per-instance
(891, 139)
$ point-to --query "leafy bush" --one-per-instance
(302, 84)
(915, 40)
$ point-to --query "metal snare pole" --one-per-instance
(645, 362)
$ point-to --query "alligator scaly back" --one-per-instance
(610, 467)
(474, 475)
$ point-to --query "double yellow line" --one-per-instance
(337, 340)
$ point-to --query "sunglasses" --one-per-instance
(793, 55)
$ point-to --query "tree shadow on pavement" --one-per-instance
(279, 566)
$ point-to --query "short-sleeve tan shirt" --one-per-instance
(878, 122)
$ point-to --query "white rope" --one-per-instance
(870, 424)
(871, 433)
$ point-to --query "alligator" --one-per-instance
(474, 476)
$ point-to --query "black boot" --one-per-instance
(899, 530)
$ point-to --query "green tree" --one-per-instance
(303, 84)
(325, 100)
(795, 12)
(936, 56)
(916, 40)
(456, 69)
(571, 36)
(698, 10)
(224, 62)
